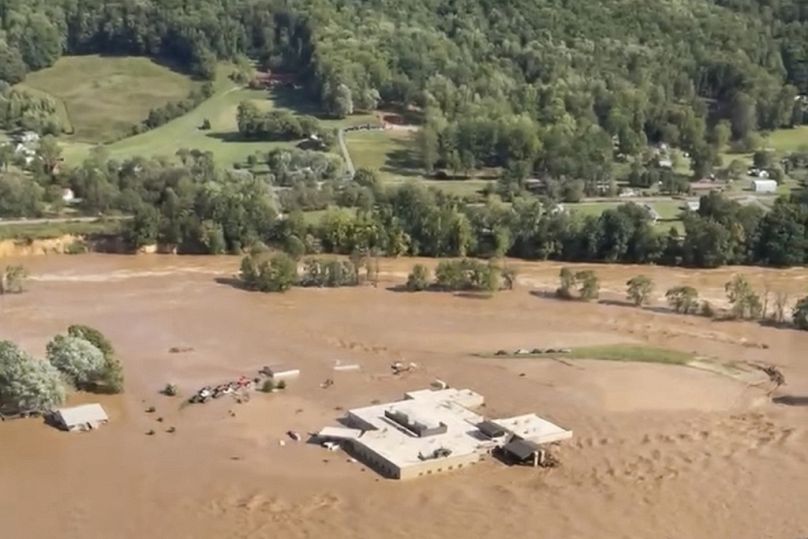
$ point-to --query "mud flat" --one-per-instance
(659, 450)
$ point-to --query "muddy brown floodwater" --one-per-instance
(659, 451)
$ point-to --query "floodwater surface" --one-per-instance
(658, 451)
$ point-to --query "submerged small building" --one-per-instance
(80, 418)
(434, 431)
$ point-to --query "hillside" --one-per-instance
(102, 98)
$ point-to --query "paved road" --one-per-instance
(344, 149)
(57, 220)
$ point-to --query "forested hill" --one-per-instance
(547, 71)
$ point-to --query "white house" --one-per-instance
(81, 418)
(68, 195)
(764, 186)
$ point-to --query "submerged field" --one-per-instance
(714, 452)
(102, 97)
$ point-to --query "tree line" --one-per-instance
(745, 303)
(278, 124)
(189, 204)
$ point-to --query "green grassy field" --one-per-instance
(639, 353)
(631, 352)
(788, 140)
(393, 155)
(221, 139)
(102, 97)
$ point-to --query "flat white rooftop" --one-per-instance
(403, 447)
(533, 428)
(430, 425)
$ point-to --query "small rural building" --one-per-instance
(764, 186)
(693, 205)
(80, 418)
(68, 195)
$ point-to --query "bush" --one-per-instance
(268, 386)
(418, 279)
(707, 310)
(281, 384)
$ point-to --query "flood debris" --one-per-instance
(399, 367)
(236, 387)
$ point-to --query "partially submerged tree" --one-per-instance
(742, 297)
(589, 285)
(800, 314)
(79, 360)
(12, 280)
(567, 283)
(275, 274)
(780, 304)
(112, 379)
(508, 277)
(683, 299)
(27, 384)
(418, 279)
(639, 290)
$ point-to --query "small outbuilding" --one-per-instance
(764, 186)
(523, 452)
(80, 418)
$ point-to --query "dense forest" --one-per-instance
(555, 89)
(552, 87)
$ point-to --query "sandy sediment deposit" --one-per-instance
(659, 451)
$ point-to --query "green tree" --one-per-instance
(27, 384)
(12, 66)
(639, 290)
(79, 360)
(112, 378)
(742, 297)
(418, 279)
(275, 274)
(743, 115)
(683, 299)
(736, 169)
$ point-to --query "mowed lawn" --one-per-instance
(788, 140)
(222, 139)
(101, 98)
(394, 156)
